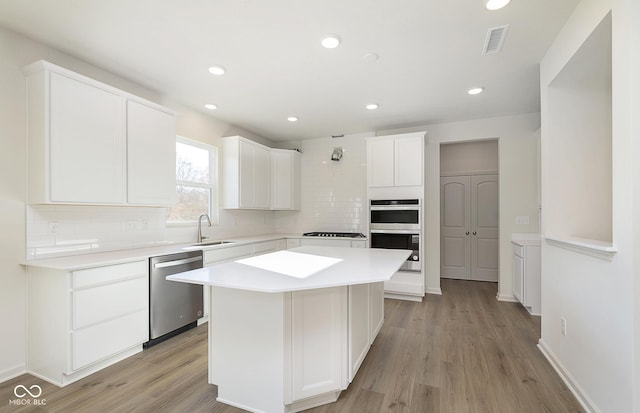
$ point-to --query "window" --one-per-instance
(196, 182)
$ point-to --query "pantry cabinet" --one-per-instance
(246, 174)
(90, 143)
(74, 326)
(395, 160)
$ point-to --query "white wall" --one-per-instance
(517, 157)
(17, 51)
(596, 296)
(469, 158)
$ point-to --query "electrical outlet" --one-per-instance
(131, 225)
(522, 220)
(563, 326)
(53, 228)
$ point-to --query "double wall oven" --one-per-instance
(396, 224)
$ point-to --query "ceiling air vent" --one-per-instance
(495, 39)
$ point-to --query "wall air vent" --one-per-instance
(495, 39)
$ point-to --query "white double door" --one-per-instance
(469, 227)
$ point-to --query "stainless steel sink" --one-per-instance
(210, 243)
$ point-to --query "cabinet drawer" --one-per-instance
(94, 305)
(224, 254)
(110, 273)
(517, 249)
(106, 339)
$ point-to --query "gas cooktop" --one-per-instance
(334, 234)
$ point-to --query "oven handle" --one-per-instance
(395, 231)
(395, 208)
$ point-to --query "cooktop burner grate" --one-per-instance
(335, 234)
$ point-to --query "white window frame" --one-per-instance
(214, 210)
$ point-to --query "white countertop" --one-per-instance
(356, 266)
(78, 262)
(524, 239)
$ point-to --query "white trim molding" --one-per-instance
(509, 298)
(594, 248)
(579, 393)
(12, 373)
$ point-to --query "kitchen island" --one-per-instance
(288, 330)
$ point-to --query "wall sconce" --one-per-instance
(337, 154)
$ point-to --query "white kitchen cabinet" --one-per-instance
(395, 160)
(246, 174)
(82, 139)
(359, 326)
(376, 309)
(318, 359)
(526, 275)
(325, 242)
(285, 179)
(74, 326)
(151, 154)
(76, 140)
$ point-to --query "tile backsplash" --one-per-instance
(61, 230)
(333, 192)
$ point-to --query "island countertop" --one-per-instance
(301, 268)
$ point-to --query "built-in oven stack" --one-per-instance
(396, 224)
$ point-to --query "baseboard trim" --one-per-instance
(435, 291)
(510, 298)
(582, 397)
(12, 373)
(405, 297)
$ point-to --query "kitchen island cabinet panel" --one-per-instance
(318, 351)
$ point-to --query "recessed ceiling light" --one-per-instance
(372, 106)
(211, 106)
(330, 41)
(216, 70)
(495, 4)
(292, 118)
(475, 90)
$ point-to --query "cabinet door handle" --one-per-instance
(474, 232)
(467, 233)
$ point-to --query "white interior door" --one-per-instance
(455, 223)
(484, 228)
(469, 227)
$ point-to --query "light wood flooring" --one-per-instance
(460, 352)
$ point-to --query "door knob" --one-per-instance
(474, 233)
(467, 233)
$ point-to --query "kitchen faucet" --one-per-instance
(200, 237)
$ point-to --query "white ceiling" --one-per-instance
(430, 54)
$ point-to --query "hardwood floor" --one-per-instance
(457, 353)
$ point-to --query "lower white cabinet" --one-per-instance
(525, 272)
(82, 321)
(318, 334)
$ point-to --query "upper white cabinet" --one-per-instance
(246, 174)
(90, 143)
(285, 179)
(151, 150)
(258, 177)
(395, 160)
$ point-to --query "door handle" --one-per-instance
(466, 233)
(474, 232)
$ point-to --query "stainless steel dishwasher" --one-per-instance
(174, 307)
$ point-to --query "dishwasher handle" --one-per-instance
(175, 263)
